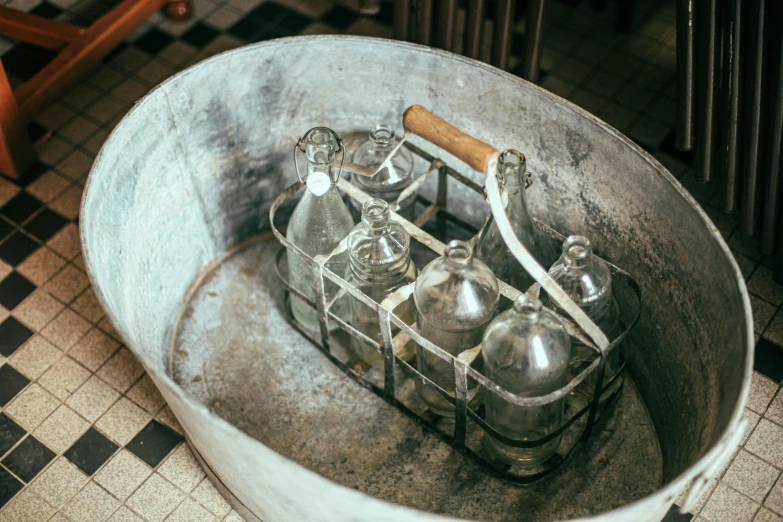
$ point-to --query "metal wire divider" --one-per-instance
(463, 363)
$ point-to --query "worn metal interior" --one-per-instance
(172, 226)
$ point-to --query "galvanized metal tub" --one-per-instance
(184, 184)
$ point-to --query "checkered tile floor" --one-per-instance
(84, 434)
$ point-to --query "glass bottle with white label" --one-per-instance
(319, 222)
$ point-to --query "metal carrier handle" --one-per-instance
(484, 158)
(480, 156)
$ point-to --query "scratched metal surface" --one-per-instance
(193, 168)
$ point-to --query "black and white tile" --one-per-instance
(85, 435)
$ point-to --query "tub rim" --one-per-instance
(719, 450)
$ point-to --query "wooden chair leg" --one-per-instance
(37, 30)
(83, 54)
(16, 149)
(179, 10)
(79, 50)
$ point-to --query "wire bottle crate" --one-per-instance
(464, 432)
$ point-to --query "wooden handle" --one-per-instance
(479, 155)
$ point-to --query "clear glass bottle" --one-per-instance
(392, 180)
(588, 281)
(380, 261)
(319, 222)
(490, 247)
(456, 297)
(526, 352)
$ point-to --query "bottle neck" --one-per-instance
(512, 172)
(376, 217)
(512, 197)
(320, 168)
(320, 147)
(382, 138)
(577, 252)
(459, 255)
(527, 308)
(512, 180)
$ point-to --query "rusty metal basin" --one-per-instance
(173, 228)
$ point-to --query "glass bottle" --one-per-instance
(319, 222)
(392, 180)
(380, 261)
(526, 352)
(490, 247)
(587, 280)
(456, 296)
